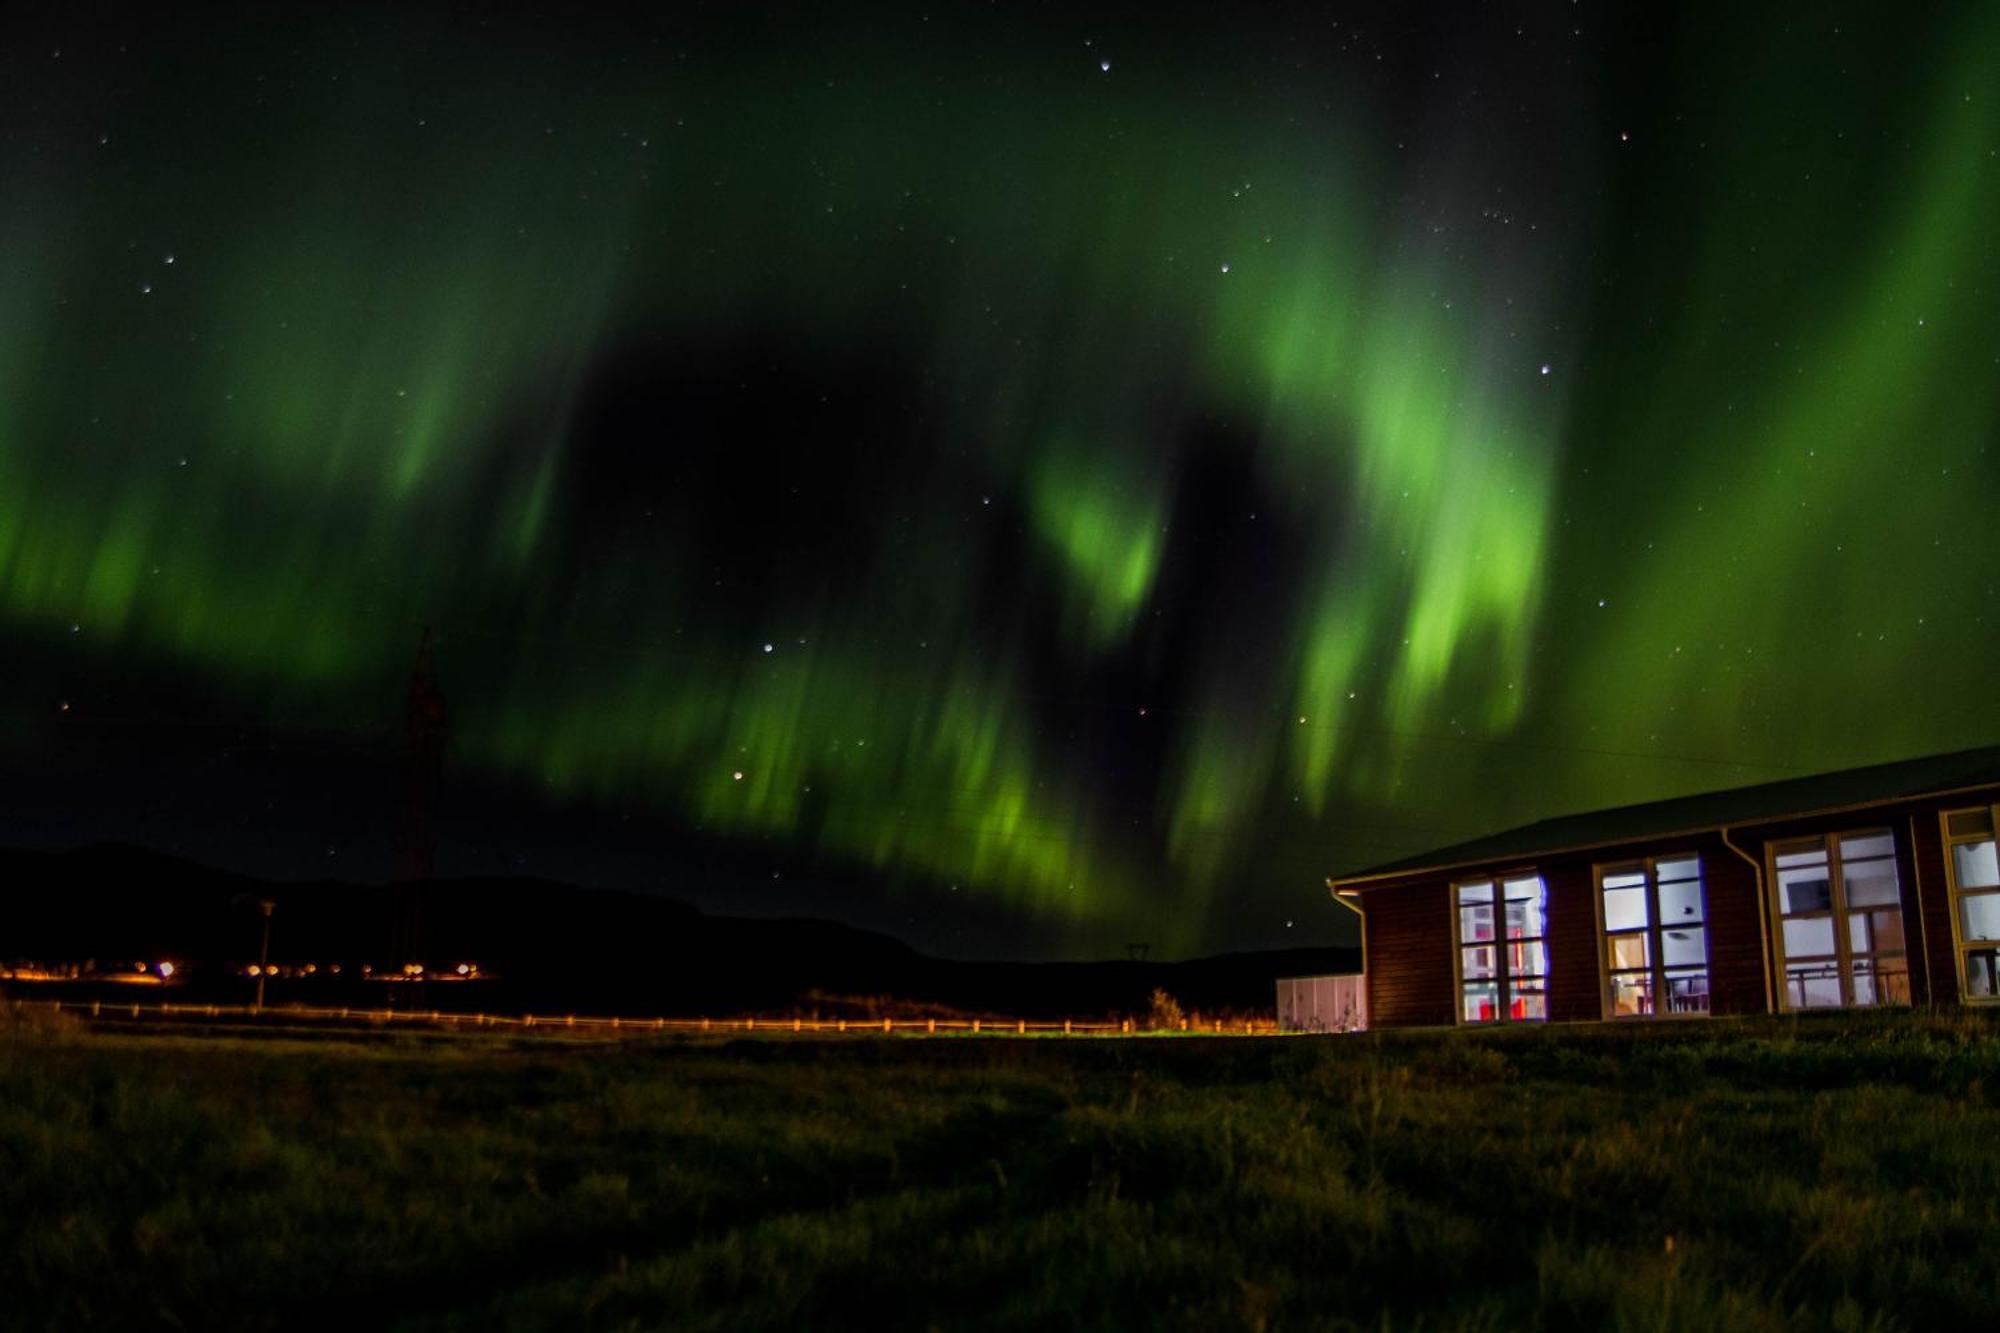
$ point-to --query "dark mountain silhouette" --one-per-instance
(553, 947)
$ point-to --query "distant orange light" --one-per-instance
(463, 969)
(166, 969)
(256, 970)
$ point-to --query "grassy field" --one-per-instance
(1838, 1173)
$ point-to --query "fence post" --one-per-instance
(975, 1025)
(930, 1025)
(1065, 1027)
(93, 1008)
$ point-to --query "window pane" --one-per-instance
(1804, 856)
(1806, 889)
(1528, 1006)
(1631, 994)
(1481, 1003)
(1475, 924)
(1979, 917)
(1630, 951)
(1475, 893)
(1885, 983)
(1982, 974)
(1870, 883)
(1968, 821)
(1687, 992)
(1528, 959)
(1812, 985)
(1810, 938)
(1975, 865)
(1524, 909)
(1861, 846)
(1625, 909)
(1680, 904)
(1683, 948)
(1879, 931)
(1624, 879)
(1669, 871)
(1476, 964)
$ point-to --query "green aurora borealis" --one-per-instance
(1301, 443)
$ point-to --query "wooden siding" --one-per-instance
(1409, 955)
(1576, 987)
(1927, 908)
(1736, 938)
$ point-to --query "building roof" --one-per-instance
(1876, 784)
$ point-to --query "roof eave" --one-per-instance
(1376, 879)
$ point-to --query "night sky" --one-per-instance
(1024, 478)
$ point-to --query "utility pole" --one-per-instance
(426, 733)
(266, 906)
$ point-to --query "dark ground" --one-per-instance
(1777, 1174)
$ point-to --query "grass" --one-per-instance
(1838, 1173)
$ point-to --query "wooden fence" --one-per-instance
(580, 1025)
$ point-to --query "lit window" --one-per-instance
(1655, 938)
(1840, 921)
(1973, 867)
(1503, 976)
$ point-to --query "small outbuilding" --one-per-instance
(1871, 886)
(1334, 1003)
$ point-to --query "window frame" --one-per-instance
(1655, 947)
(1503, 972)
(1839, 912)
(1954, 895)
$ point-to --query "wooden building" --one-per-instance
(1869, 886)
